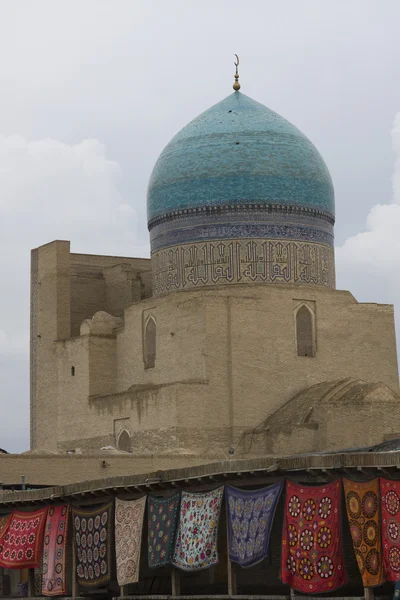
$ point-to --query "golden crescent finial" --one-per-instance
(236, 85)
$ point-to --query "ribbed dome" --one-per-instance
(239, 152)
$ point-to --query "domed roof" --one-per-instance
(239, 152)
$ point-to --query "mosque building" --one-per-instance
(232, 340)
(228, 358)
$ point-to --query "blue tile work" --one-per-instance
(241, 223)
(239, 152)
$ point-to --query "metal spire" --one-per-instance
(236, 85)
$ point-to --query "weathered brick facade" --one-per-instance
(226, 362)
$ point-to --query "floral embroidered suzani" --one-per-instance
(162, 524)
(390, 503)
(312, 553)
(128, 538)
(93, 532)
(54, 551)
(250, 517)
(196, 542)
(362, 504)
(21, 543)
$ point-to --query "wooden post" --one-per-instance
(175, 582)
(232, 591)
(231, 579)
(292, 594)
(369, 593)
(74, 586)
(122, 591)
(31, 583)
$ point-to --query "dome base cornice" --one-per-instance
(247, 208)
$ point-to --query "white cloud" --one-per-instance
(62, 191)
(50, 190)
(368, 263)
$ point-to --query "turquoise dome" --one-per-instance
(239, 152)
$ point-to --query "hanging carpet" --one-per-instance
(362, 504)
(250, 517)
(162, 524)
(93, 532)
(4, 521)
(312, 553)
(22, 541)
(128, 538)
(54, 551)
(196, 542)
(390, 503)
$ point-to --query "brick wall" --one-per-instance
(226, 358)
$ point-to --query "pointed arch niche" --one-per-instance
(305, 330)
(149, 343)
(124, 441)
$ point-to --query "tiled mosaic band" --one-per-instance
(193, 265)
(246, 222)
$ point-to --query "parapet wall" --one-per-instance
(65, 469)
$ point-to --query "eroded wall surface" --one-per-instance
(225, 361)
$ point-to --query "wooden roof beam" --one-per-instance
(385, 471)
(362, 470)
(312, 472)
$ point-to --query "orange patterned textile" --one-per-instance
(4, 523)
(363, 511)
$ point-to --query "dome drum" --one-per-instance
(187, 254)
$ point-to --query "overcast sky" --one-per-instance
(92, 90)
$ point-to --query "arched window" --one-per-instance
(305, 332)
(149, 346)
(124, 441)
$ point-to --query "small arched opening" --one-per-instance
(305, 332)
(149, 345)
(124, 441)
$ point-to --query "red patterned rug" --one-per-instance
(390, 496)
(312, 554)
(21, 543)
